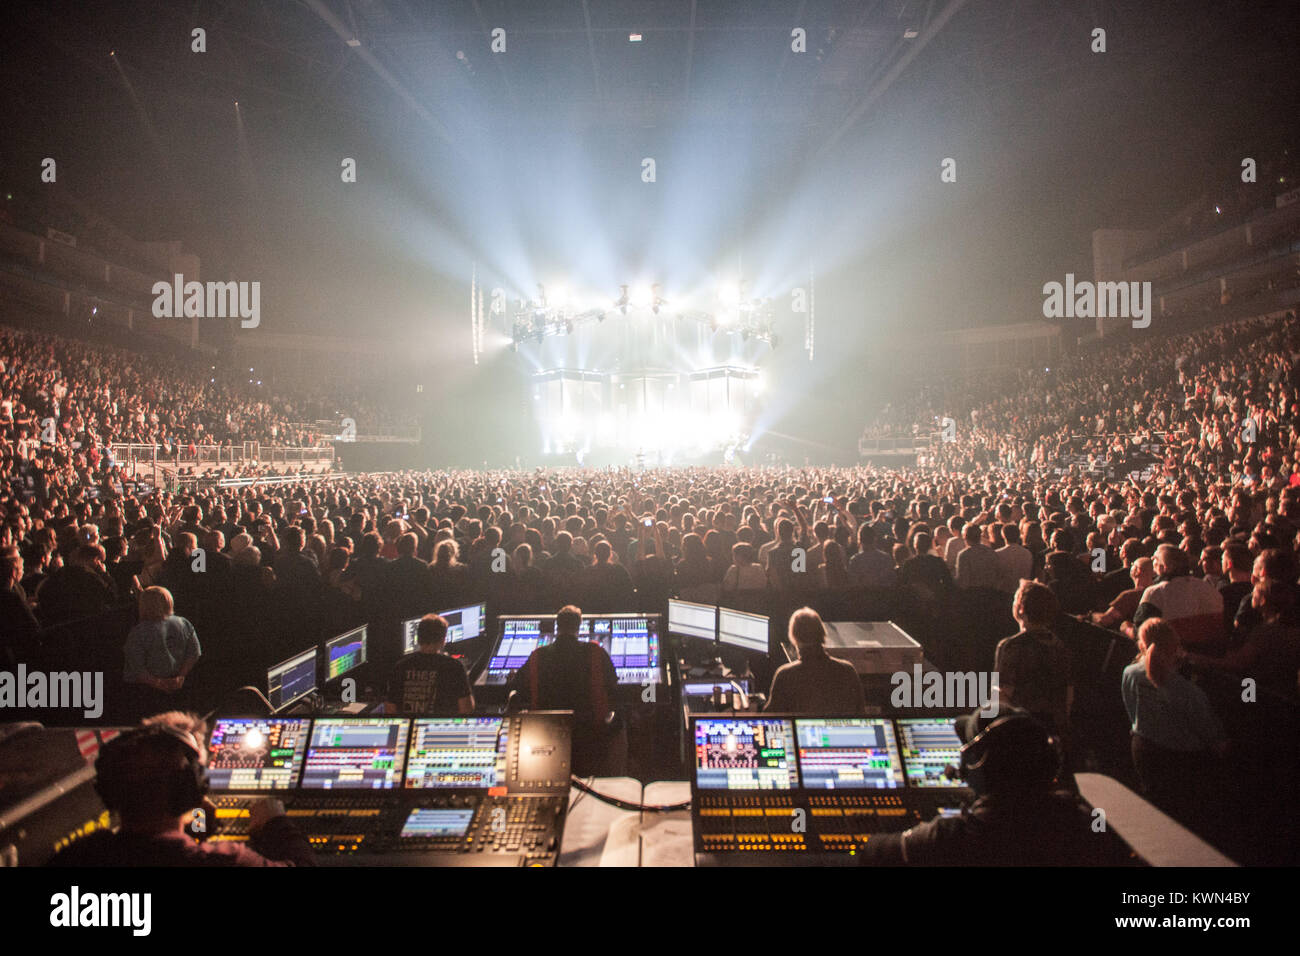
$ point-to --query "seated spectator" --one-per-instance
(428, 681)
(816, 683)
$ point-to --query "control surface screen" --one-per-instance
(256, 753)
(744, 754)
(355, 754)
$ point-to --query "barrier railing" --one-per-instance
(128, 454)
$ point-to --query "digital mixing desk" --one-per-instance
(633, 642)
(397, 791)
(772, 790)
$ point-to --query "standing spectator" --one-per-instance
(1174, 730)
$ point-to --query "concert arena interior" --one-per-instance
(652, 433)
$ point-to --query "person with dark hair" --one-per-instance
(1020, 815)
(1015, 560)
(428, 681)
(871, 567)
(406, 579)
(1273, 564)
(816, 683)
(694, 568)
(926, 572)
(745, 574)
(608, 586)
(1237, 585)
(1271, 650)
(1173, 726)
(18, 625)
(154, 778)
(977, 563)
(79, 589)
(575, 675)
(1033, 667)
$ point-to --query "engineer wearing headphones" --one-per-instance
(1019, 816)
(154, 778)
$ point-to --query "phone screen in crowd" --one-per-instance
(648, 522)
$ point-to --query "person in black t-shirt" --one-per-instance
(428, 681)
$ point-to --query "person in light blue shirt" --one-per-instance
(163, 648)
(1176, 734)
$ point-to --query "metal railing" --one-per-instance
(907, 445)
(132, 454)
(333, 430)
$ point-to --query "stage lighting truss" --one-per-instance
(753, 320)
(540, 318)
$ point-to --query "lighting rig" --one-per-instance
(544, 316)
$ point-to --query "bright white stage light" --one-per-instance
(642, 295)
(729, 293)
(558, 295)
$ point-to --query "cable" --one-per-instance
(626, 805)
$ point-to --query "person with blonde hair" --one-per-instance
(1174, 729)
(816, 683)
(163, 648)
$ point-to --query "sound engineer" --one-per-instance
(575, 675)
(429, 681)
(155, 778)
(816, 683)
(1019, 816)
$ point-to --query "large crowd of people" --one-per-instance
(1191, 562)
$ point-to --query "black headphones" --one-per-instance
(186, 785)
(1015, 745)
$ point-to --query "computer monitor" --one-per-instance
(520, 636)
(291, 680)
(455, 752)
(256, 753)
(848, 753)
(349, 753)
(630, 640)
(463, 624)
(345, 653)
(688, 619)
(742, 630)
(745, 753)
(930, 745)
